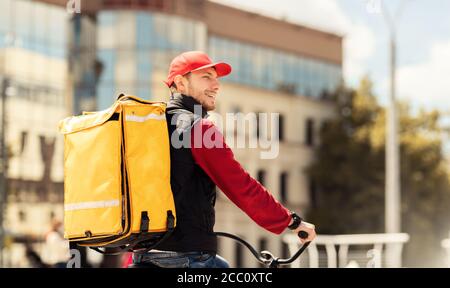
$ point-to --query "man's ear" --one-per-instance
(178, 80)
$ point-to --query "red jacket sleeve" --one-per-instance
(213, 155)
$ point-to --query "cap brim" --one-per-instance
(222, 69)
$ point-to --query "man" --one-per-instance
(197, 169)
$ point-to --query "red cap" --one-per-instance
(193, 61)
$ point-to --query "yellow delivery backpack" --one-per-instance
(117, 177)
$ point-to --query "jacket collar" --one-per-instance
(181, 101)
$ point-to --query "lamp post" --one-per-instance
(393, 188)
(392, 221)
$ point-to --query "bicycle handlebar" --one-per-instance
(266, 257)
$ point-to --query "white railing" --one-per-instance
(340, 258)
(446, 245)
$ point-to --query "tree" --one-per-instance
(349, 173)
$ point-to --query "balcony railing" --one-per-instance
(446, 245)
(388, 245)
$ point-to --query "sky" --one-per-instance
(422, 33)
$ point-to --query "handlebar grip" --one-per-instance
(303, 234)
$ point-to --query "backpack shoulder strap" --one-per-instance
(185, 119)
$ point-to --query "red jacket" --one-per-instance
(214, 156)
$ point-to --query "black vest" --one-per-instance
(194, 192)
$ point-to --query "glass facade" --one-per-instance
(131, 45)
(31, 25)
(275, 70)
(125, 48)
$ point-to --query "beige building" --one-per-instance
(126, 46)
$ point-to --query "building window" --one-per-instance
(274, 69)
(219, 244)
(309, 132)
(23, 141)
(284, 186)
(262, 247)
(22, 216)
(258, 125)
(281, 128)
(323, 126)
(261, 177)
(52, 215)
(238, 255)
(262, 244)
(312, 193)
(284, 250)
(236, 110)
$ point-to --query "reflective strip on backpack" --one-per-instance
(134, 118)
(91, 205)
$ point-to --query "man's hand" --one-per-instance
(308, 228)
